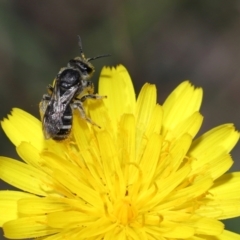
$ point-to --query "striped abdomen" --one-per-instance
(67, 124)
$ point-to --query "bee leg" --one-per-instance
(93, 96)
(50, 88)
(78, 105)
(46, 97)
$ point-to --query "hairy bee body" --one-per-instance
(57, 124)
(72, 86)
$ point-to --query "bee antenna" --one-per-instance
(80, 44)
(100, 56)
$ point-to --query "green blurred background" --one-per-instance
(161, 42)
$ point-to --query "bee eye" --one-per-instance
(84, 67)
(88, 69)
(81, 65)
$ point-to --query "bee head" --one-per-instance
(82, 64)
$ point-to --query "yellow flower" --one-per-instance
(141, 176)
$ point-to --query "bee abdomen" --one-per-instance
(66, 126)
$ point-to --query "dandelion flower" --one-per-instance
(143, 175)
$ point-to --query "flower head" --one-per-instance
(141, 176)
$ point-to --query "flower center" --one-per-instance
(125, 211)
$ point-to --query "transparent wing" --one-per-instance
(54, 110)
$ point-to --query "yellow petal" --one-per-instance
(220, 208)
(65, 219)
(226, 186)
(172, 231)
(96, 228)
(221, 139)
(82, 132)
(184, 197)
(8, 205)
(80, 189)
(116, 84)
(216, 167)
(126, 139)
(206, 226)
(227, 235)
(29, 154)
(178, 151)
(31, 227)
(146, 107)
(190, 125)
(24, 176)
(146, 103)
(180, 104)
(21, 126)
(155, 121)
(149, 160)
(110, 162)
(37, 206)
(165, 186)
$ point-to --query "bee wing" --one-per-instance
(43, 105)
(52, 120)
(69, 94)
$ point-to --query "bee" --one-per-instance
(71, 87)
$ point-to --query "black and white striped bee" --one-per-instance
(70, 89)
